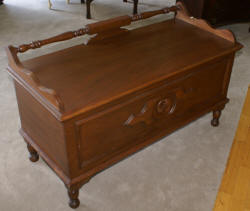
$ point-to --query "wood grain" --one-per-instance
(52, 98)
(166, 36)
(234, 192)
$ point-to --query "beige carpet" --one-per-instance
(179, 173)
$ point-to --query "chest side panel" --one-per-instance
(42, 128)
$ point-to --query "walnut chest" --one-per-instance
(88, 106)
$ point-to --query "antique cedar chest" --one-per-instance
(88, 106)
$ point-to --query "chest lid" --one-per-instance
(83, 77)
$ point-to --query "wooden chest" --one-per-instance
(86, 107)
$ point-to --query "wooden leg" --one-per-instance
(68, 1)
(82, 1)
(88, 2)
(135, 7)
(33, 156)
(73, 193)
(1, 2)
(216, 116)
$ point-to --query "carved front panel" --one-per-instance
(119, 128)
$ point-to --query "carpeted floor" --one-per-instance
(182, 172)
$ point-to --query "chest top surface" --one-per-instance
(85, 76)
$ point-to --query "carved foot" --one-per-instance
(33, 156)
(216, 116)
(73, 198)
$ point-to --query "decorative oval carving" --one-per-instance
(163, 105)
(166, 105)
